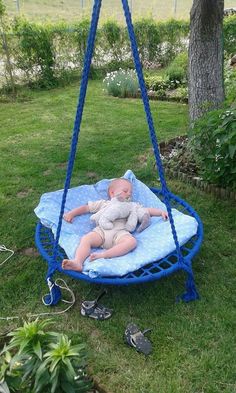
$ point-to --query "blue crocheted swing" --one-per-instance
(181, 257)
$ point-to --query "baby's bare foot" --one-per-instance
(96, 255)
(70, 264)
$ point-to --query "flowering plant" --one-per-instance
(122, 83)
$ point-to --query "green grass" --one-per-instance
(193, 344)
(75, 9)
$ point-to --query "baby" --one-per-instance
(115, 242)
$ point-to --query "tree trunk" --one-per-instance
(206, 86)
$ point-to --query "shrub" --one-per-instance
(81, 34)
(149, 37)
(42, 54)
(174, 34)
(40, 361)
(122, 83)
(36, 51)
(156, 82)
(214, 145)
(161, 94)
(229, 32)
(230, 83)
(181, 60)
(176, 74)
(112, 40)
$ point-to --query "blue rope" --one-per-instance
(84, 82)
(77, 123)
(153, 137)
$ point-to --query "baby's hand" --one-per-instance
(164, 215)
(68, 217)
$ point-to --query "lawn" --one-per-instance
(193, 344)
(72, 10)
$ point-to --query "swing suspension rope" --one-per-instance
(76, 130)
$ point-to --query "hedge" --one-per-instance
(43, 54)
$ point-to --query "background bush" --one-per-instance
(43, 54)
(36, 52)
(214, 147)
(230, 83)
(230, 35)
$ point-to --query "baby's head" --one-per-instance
(120, 187)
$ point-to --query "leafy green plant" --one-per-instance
(180, 94)
(112, 39)
(64, 363)
(214, 145)
(4, 27)
(122, 83)
(181, 60)
(176, 75)
(149, 37)
(229, 29)
(43, 361)
(230, 83)
(156, 82)
(161, 94)
(36, 55)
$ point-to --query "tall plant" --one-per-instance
(5, 46)
(41, 361)
(37, 52)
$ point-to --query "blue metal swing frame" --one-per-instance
(181, 258)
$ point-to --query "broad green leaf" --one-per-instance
(38, 350)
(232, 150)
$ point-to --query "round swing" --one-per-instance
(181, 257)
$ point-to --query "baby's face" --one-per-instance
(121, 188)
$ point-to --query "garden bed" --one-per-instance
(186, 169)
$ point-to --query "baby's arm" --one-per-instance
(69, 216)
(158, 212)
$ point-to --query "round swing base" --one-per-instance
(152, 271)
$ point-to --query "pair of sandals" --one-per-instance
(133, 336)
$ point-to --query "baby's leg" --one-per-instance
(124, 245)
(92, 239)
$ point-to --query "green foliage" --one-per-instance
(36, 54)
(122, 83)
(176, 74)
(42, 361)
(81, 34)
(112, 40)
(230, 34)
(230, 83)
(2, 8)
(156, 82)
(45, 54)
(149, 37)
(181, 94)
(177, 70)
(174, 33)
(30, 337)
(181, 61)
(214, 146)
(159, 84)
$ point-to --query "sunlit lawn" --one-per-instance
(193, 344)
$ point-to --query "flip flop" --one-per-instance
(91, 309)
(135, 338)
